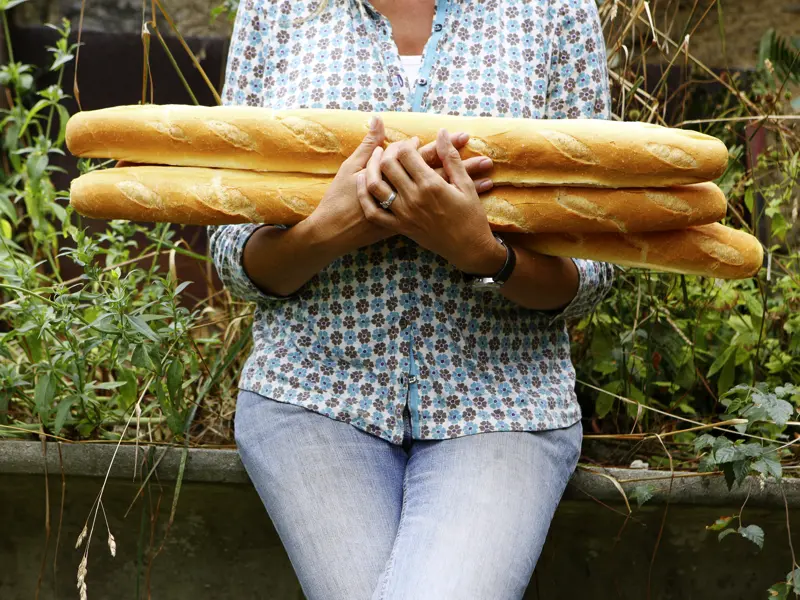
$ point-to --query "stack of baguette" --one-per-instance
(633, 194)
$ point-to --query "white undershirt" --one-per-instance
(411, 65)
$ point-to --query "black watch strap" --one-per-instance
(505, 272)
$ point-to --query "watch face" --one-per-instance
(485, 284)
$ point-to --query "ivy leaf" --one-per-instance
(730, 476)
(741, 468)
(704, 441)
(706, 464)
(779, 591)
(720, 524)
(723, 534)
(751, 450)
(725, 454)
(779, 411)
(642, 493)
(754, 533)
(794, 577)
(787, 390)
(767, 466)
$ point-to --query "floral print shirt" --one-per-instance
(392, 332)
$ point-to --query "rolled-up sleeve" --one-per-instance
(578, 88)
(227, 244)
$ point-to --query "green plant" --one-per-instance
(80, 358)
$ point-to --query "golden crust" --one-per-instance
(525, 151)
(203, 196)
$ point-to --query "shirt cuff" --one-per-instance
(240, 279)
(594, 281)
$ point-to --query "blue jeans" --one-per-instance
(363, 519)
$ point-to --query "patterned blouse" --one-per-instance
(391, 331)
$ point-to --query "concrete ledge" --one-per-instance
(93, 460)
(223, 466)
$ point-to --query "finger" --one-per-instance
(452, 163)
(429, 154)
(412, 162)
(376, 185)
(374, 138)
(372, 212)
(483, 185)
(394, 171)
(478, 167)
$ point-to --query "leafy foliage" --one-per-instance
(86, 357)
(782, 53)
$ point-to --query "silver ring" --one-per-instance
(385, 204)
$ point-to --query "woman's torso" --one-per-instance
(342, 346)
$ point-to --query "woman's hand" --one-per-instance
(339, 213)
(442, 215)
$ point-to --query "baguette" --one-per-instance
(526, 152)
(709, 250)
(202, 196)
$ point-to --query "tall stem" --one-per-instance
(53, 106)
(8, 38)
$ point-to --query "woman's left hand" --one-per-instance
(444, 217)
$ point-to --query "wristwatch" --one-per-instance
(483, 283)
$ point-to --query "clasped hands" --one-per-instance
(436, 202)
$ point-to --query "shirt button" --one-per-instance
(422, 81)
(437, 27)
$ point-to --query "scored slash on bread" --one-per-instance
(712, 250)
(634, 194)
(204, 196)
(610, 225)
(526, 152)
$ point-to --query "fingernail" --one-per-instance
(484, 186)
(463, 138)
(486, 163)
(373, 123)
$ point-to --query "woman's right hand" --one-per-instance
(339, 214)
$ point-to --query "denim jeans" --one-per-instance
(363, 519)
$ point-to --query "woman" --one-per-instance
(408, 413)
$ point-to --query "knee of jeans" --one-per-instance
(239, 420)
(576, 441)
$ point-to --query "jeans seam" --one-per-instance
(390, 563)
